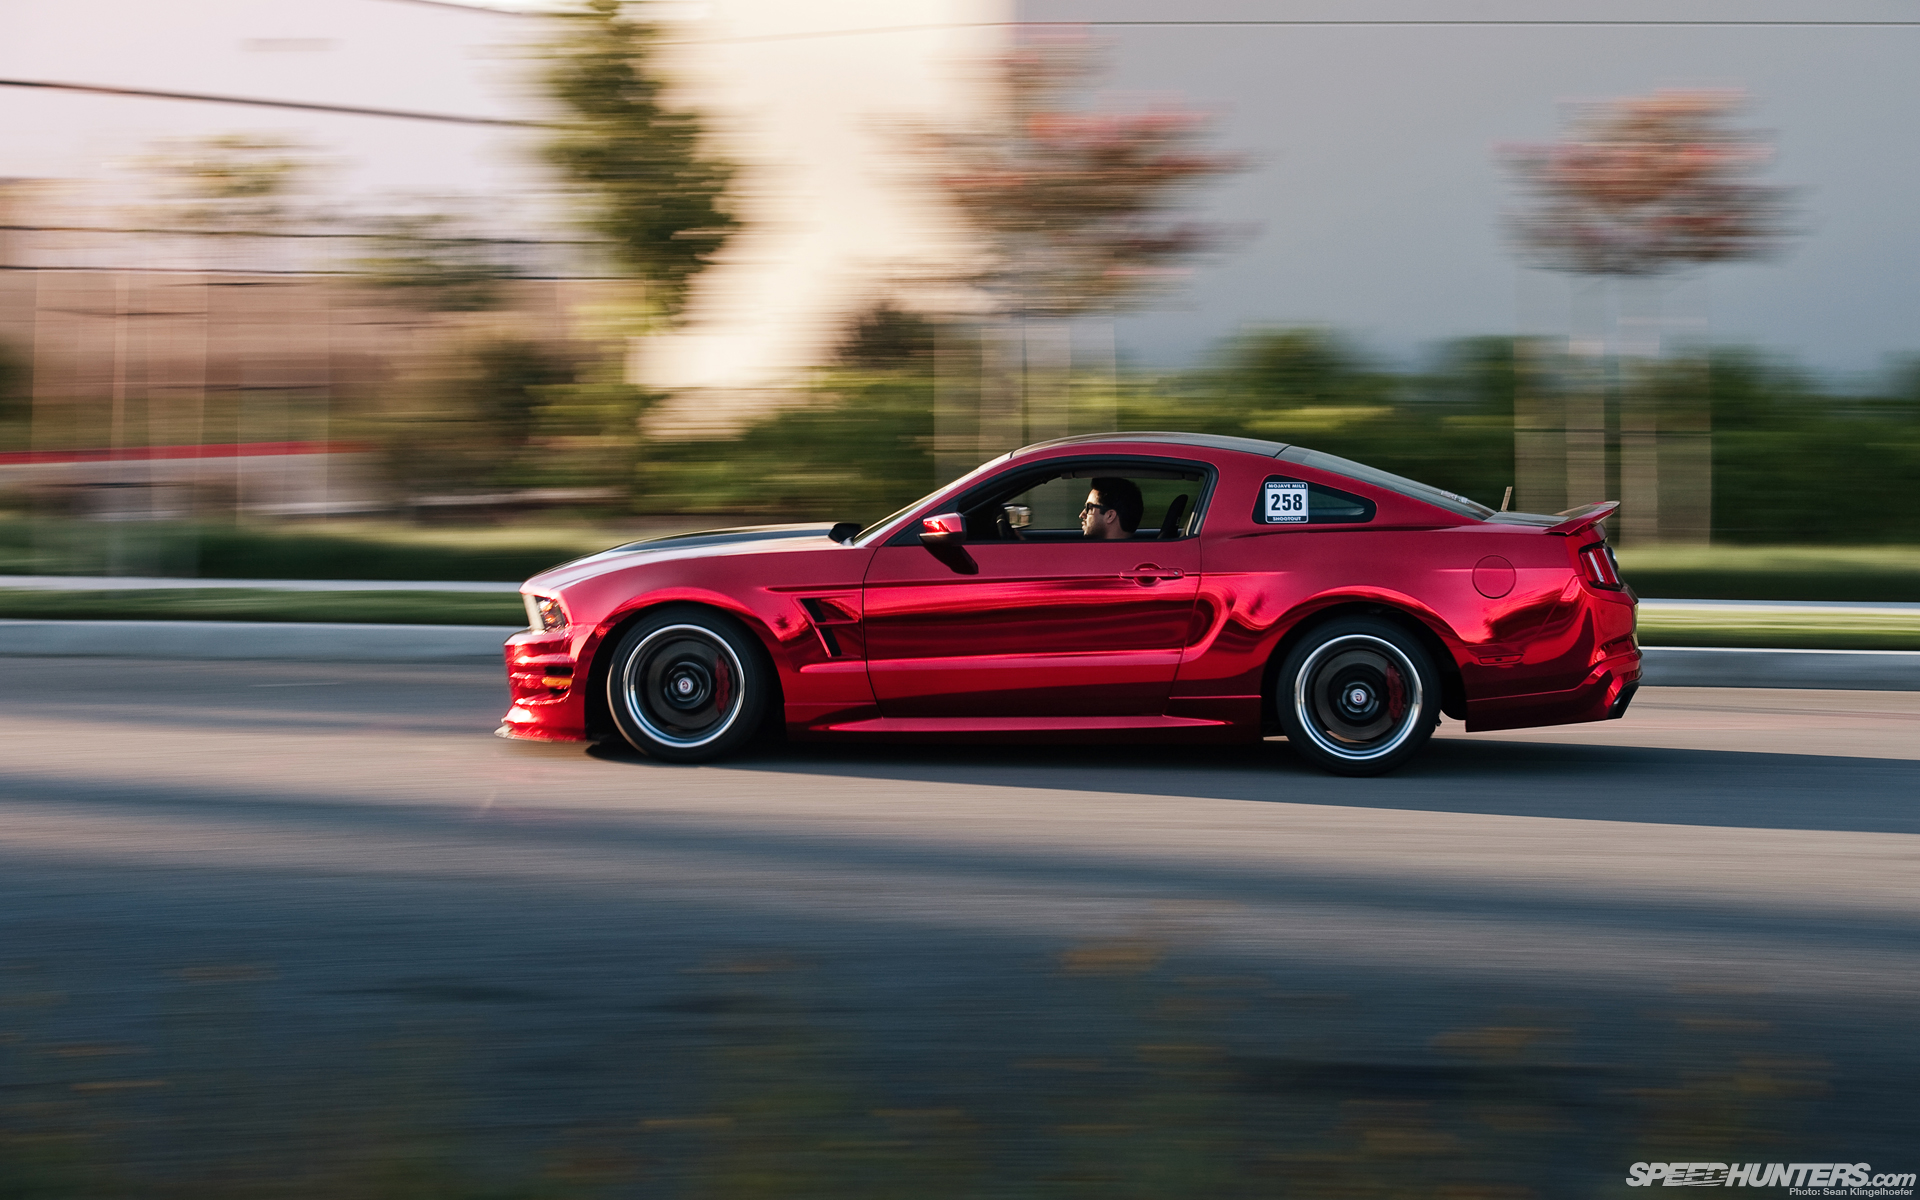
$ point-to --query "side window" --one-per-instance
(1051, 508)
(1284, 500)
(1043, 504)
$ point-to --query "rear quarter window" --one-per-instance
(1285, 500)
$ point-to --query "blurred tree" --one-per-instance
(434, 265)
(1638, 188)
(887, 335)
(16, 391)
(1073, 211)
(653, 193)
(230, 183)
(1450, 426)
(1069, 212)
(1648, 185)
(858, 451)
(475, 426)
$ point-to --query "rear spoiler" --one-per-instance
(1578, 520)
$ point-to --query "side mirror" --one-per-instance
(945, 537)
(843, 531)
(947, 529)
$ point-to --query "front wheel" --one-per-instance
(1358, 696)
(687, 685)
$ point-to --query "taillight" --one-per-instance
(1601, 570)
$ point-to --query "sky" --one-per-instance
(1374, 200)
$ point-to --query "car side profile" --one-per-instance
(1124, 587)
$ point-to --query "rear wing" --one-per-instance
(1579, 520)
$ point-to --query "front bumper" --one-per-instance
(548, 695)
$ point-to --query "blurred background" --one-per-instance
(429, 291)
(279, 273)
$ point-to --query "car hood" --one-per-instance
(704, 544)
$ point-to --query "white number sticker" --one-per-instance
(1285, 503)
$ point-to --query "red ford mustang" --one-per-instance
(1123, 587)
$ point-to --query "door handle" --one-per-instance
(1148, 574)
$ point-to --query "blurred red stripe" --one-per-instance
(214, 450)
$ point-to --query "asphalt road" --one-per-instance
(310, 928)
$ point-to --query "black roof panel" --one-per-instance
(1209, 440)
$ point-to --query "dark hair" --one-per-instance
(1123, 496)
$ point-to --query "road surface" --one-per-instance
(304, 926)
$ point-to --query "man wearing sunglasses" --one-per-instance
(1112, 511)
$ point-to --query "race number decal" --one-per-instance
(1284, 503)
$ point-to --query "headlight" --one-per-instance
(544, 613)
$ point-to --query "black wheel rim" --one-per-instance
(682, 685)
(1358, 697)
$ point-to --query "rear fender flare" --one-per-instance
(1414, 617)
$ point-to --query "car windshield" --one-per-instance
(1412, 489)
(895, 515)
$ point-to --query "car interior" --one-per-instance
(1045, 506)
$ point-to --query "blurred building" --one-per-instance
(413, 105)
(1374, 202)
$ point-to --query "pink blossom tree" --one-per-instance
(1639, 189)
(1067, 212)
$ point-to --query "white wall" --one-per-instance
(1375, 199)
(386, 54)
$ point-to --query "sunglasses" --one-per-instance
(1087, 508)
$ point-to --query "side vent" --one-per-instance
(837, 620)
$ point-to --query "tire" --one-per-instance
(1358, 696)
(688, 684)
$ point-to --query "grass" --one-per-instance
(1780, 629)
(331, 549)
(398, 550)
(1723, 572)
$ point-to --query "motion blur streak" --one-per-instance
(286, 891)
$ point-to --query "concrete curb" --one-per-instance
(1666, 666)
(253, 640)
(1712, 666)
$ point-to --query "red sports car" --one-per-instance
(1121, 587)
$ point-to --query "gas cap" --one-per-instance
(1493, 577)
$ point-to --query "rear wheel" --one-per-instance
(687, 685)
(1358, 696)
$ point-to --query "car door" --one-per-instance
(1047, 623)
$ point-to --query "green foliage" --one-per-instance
(887, 336)
(856, 453)
(1852, 462)
(654, 195)
(1731, 571)
(1451, 427)
(425, 262)
(472, 428)
(331, 549)
(229, 183)
(16, 393)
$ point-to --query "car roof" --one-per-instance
(1210, 441)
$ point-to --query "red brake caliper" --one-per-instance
(1396, 694)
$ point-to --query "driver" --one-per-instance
(1113, 509)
